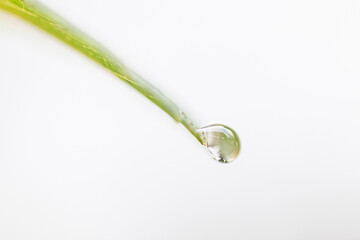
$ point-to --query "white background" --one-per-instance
(84, 156)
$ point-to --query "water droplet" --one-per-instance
(222, 142)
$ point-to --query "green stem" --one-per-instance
(39, 15)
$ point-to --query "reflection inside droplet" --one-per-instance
(222, 142)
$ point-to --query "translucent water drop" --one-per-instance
(222, 142)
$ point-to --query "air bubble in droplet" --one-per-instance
(222, 142)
